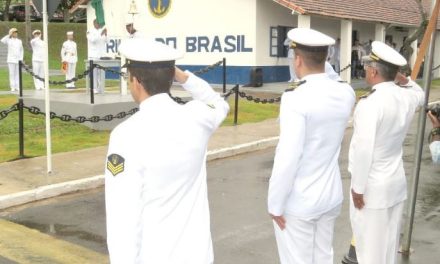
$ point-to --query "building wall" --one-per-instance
(205, 31)
(236, 30)
(270, 14)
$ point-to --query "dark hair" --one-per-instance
(154, 80)
(387, 71)
(313, 59)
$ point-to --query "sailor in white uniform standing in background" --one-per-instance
(69, 57)
(15, 54)
(305, 189)
(97, 45)
(378, 183)
(38, 45)
(155, 179)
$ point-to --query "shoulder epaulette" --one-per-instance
(403, 86)
(367, 94)
(295, 85)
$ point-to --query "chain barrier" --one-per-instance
(208, 68)
(272, 100)
(66, 118)
(82, 119)
(5, 113)
(345, 68)
(119, 73)
(435, 68)
(74, 79)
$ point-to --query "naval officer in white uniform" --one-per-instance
(378, 184)
(69, 56)
(15, 54)
(305, 189)
(38, 45)
(155, 178)
(97, 45)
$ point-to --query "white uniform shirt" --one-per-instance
(306, 179)
(68, 52)
(37, 49)
(157, 207)
(15, 49)
(97, 43)
(331, 72)
(435, 151)
(290, 52)
(381, 122)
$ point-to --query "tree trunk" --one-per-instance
(66, 15)
(6, 11)
(28, 24)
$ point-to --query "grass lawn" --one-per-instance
(65, 136)
(69, 136)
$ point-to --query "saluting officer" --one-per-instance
(378, 184)
(97, 45)
(15, 54)
(38, 45)
(305, 189)
(155, 178)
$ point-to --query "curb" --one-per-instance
(53, 190)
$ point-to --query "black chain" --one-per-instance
(74, 79)
(122, 74)
(344, 69)
(257, 100)
(208, 68)
(435, 68)
(80, 119)
(5, 113)
(178, 99)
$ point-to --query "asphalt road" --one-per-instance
(241, 229)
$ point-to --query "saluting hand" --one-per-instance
(401, 79)
(358, 200)
(280, 220)
(435, 121)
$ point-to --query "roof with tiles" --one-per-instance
(400, 12)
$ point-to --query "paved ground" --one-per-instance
(242, 231)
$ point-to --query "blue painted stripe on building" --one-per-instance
(241, 74)
(234, 74)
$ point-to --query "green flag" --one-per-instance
(99, 11)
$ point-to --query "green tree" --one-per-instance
(64, 6)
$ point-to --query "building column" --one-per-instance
(436, 73)
(412, 59)
(345, 49)
(380, 32)
(303, 21)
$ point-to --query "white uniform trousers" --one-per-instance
(70, 74)
(307, 240)
(293, 76)
(376, 233)
(98, 80)
(38, 69)
(14, 78)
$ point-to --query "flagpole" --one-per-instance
(47, 90)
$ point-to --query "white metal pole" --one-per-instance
(47, 90)
(427, 77)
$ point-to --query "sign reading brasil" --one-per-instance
(159, 8)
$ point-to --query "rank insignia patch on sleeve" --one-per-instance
(115, 164)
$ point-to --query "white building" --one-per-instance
(250, 33)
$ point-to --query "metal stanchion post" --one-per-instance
(224, 75)
(237, 88)
(92, 92)
(20, 111)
